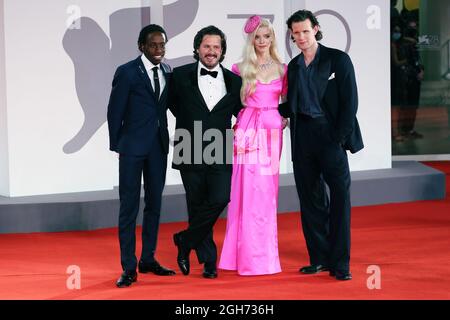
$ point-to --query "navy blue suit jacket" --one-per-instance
(136, 119)
(338, 96)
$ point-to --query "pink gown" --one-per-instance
(251, 242)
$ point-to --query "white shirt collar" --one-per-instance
(148, 64)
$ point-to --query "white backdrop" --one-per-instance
(42, 99)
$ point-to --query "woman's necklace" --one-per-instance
(266, 66)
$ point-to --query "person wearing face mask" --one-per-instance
(414, 77)
(398, 79)
(204, 97)
(406, 76)
(251, 243)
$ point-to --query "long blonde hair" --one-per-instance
(248, 68)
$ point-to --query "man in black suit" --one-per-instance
(204, 96)
(137, 123)
(322, 102)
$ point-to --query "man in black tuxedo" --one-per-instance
(322, 102)
(137, 122)
(204, 96)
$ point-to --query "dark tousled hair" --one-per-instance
(303, 15)
(210, 30)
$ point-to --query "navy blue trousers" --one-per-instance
(152, 168)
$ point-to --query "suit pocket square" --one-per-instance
(332, 76)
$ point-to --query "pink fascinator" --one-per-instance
(252, 23)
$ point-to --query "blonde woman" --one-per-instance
(251, 244)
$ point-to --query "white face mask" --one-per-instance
(396, 36)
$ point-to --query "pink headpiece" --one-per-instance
(252, 23)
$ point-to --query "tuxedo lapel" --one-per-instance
(227, 79)
(196, 88)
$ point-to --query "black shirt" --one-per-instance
(309, 95)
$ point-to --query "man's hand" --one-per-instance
(285, 123)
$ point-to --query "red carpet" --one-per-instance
(408, 241)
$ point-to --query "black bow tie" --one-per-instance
(204, 72)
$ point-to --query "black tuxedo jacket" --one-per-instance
(187, 104)
(338, 96)
(136, 118)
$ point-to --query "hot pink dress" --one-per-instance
(251, 241)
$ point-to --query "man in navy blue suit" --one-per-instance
(322, 101)
(137, 122)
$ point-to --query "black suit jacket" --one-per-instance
(338, 96)
(136, 119)
(187, 104)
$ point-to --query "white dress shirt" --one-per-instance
(148, 67)
(212, 89)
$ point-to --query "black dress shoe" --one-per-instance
(126, 279)
(312, 269)
(155, 268)
(341, 275)
(210, 271)
(183, 254)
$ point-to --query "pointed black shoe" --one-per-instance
(183, 254)
(210, 271)
(312, 269)
(126, 279)
(341, 275)
(155, 268)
